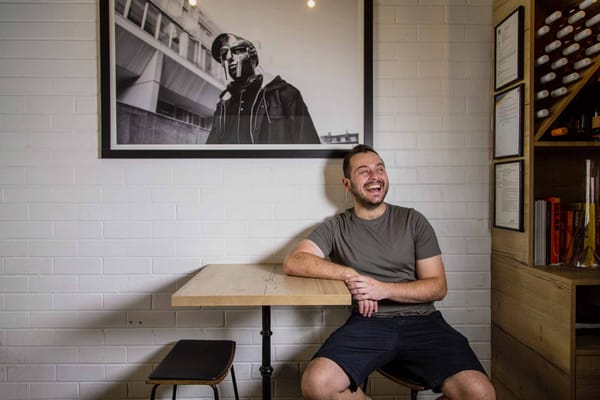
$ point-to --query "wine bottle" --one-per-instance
(571, 50)
(582, 64)
(564, 32)
(543, 113)
(542, 61)
(581, 126)
(559, 64)
(559, 92)
(570, 78)
(592, 50)
(596, 124)
(553, 17)
(595, 131)
(547, 78)
(542, 32)
(541, 95)
(593, 21)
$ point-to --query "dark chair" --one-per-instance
(195, 362)
(397, 375)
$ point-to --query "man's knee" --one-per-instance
(322, 378)
(469, 385)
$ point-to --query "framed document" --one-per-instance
(508, 50)
(508, 122)
(508, 195)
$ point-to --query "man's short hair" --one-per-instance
(359, 148)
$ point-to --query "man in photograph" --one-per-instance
(251, 111)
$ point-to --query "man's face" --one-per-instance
(368, 180)
(236, 57)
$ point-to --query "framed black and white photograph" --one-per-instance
(508, 49)
(508, 195)
(508, 122)
(235, 78)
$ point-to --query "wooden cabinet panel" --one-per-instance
(522, 373)
(537, 312)
(588, 376)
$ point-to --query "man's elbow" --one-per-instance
(441, 292)
(289, 264)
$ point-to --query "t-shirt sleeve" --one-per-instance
(426, 243)
(322, 236)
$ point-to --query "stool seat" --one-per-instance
(393, 373)
(195, 362)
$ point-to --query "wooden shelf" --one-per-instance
(566, 144)
(572, 275)
(588, 342)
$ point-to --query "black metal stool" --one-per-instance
(396, 375)
(195, 362)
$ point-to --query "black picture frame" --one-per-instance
(508, 49)
(150, 38)
(509, 122)
(508, 195)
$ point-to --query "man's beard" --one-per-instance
(365, 202)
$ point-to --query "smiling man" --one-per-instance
(390, 260)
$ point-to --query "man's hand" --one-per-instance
(366, 308)
(363, 287)
(366, 291)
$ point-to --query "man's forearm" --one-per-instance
(419, 291)
(310, 265)
(422, 290)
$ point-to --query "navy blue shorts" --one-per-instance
(424, 347)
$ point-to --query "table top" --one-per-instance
(257, 285)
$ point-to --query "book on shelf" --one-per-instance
(540, 222)
(553, 230)
(547, 226)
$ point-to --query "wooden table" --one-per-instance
(265, 285)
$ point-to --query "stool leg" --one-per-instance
(215, 391)
(235, 389)
(153, 392)
(413, 394)
(174, 391)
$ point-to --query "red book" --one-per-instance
(554, 230)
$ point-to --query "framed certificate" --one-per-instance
(508, 50)
(508, 195)
(508, 122)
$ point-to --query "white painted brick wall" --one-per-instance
(92, 249)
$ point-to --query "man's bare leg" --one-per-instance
(323, 379)
(468, 385)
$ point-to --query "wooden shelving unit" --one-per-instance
(537, 352)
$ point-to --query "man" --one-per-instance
(250, 113)
(390, 260)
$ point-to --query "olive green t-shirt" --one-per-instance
(385, 248)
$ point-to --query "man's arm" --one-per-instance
(307, 259)
(430, 285)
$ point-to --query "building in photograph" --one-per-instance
(167, 82)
